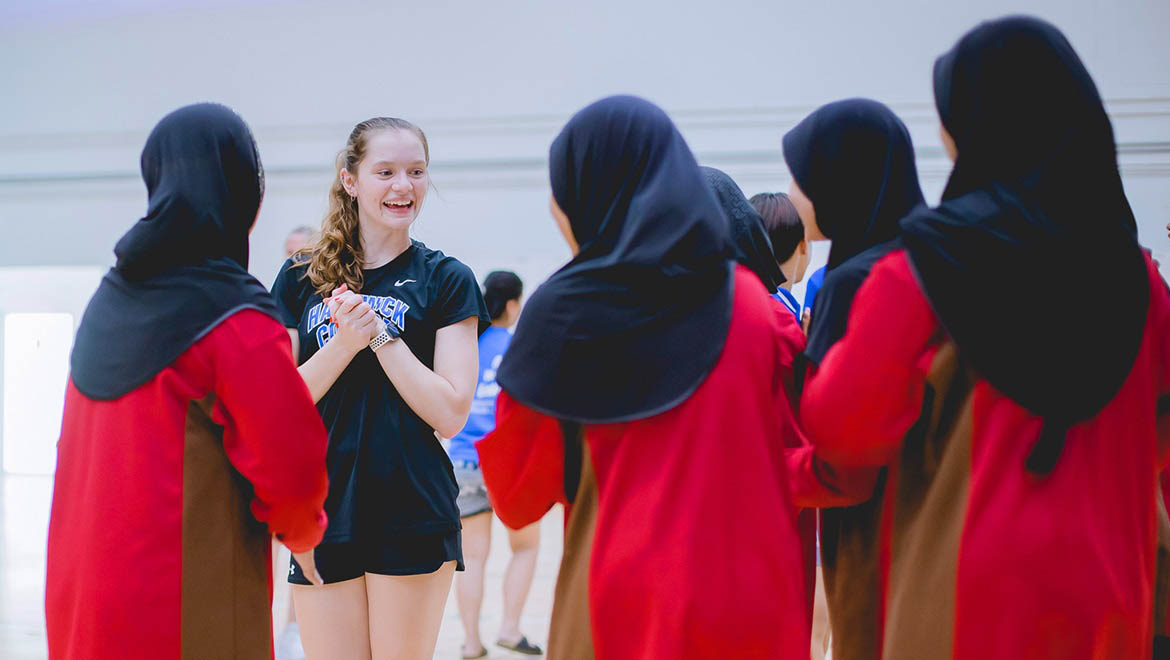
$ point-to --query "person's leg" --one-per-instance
(518, 579)
(279, 573)
(286, 635)
(407, 610)
(477, 534)
(333, 619)
(820, 620)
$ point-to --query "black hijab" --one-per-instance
(181, 269)
(633, 324)
(1035, 199)
(749, 236)
(854, 160)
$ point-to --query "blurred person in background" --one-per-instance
(297, 239)
(789, 246)
(810, 296)
(792, 250)
(501, 291)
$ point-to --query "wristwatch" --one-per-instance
(383, 338)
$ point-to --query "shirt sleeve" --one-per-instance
(810, 290)
(857, 407)
(523, 463)
(273, 434)
(813, 483)
(458, 296)
(289, 291)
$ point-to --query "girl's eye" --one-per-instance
(417, 173)
(385, 172)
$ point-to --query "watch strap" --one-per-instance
(383, 338)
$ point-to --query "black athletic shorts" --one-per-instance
(418, 554)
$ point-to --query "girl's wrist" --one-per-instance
(347, 348)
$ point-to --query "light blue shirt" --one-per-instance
(492, 344)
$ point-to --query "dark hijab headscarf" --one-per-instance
(854, 160)
(182, 268)
(633, 324)
(749, 236)
(1033, 222)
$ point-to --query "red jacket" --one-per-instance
(681, 540)
(157, 540)
(969, 555)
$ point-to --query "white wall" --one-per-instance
(492, 83)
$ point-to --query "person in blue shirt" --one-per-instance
(788, 243)
(810, 295)
(502, 291)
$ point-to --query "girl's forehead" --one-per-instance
(395, 145)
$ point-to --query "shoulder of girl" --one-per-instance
(447, 267)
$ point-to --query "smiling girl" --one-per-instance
(384, 329)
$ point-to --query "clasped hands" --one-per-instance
(357, 323)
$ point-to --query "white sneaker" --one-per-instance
(288, 645)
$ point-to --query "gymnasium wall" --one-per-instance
(491, 83)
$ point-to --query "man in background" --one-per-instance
(297, 239)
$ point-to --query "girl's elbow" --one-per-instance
(451, 425)
(456, 419)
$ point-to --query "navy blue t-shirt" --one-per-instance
(388, 474)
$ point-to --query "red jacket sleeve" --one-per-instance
(868, 392)
(813, 483)
(272, 431)
(816, 484)
(523, 463)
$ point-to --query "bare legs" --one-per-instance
(477, 537)
(335, 619)
(518, 578)
(525, 544)
(407, 610)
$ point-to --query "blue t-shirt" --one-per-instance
(785, 296)
(814, 285)
(492, 344)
